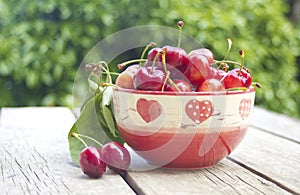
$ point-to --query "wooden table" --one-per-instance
(34, 159)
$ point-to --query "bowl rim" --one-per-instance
(192, 93)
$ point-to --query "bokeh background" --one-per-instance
(42, 43)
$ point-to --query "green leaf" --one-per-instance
(105, 115)
(86, 124)
(109, 120)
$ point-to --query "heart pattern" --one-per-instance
(245, 108)
(199, 111)
(149, 110)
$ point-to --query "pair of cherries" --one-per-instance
(187, 72)
(94, 160)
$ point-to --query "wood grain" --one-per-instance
(224, 178)
(276, 123)
(34, 156)
(272, 157)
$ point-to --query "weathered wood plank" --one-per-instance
(271, 156)
(34, 156)
(224, 178)
(276, 123)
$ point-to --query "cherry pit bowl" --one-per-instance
(189, 130)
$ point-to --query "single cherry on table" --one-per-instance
(91, 162)
(116, 156)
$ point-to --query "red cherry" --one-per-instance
(182, 85)
(211, 85)
(149, 78)
(175, 56)
(199, 69)
(217, 73)
(125, 79)
(91, 163)
(152, 53)
(205, 52)
(237, 78)
(116, 156)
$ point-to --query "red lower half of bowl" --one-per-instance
(199, 149)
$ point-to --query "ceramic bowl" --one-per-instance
(182, 130)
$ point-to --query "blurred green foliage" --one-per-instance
(42, 43)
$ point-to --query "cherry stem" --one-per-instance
(242, 54)
(154, 60)
(77, 135)
(163, 57)
(222, 79)
(237, 89)
(180, 25)
(144, 51)
(256, 84)
(228, 49)
(165, 81)
(109, 84)
(231, 62)
(122, 65)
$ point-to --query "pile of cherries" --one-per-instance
(93, 160)
(173, 69)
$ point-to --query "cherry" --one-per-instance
(125, 79)
(149, 78)
(91, 162)
(237, 77)
(217, 73)
(199, 69)
(182, 85)
(175, 56)
(211, 85)
(152, 53)
(116, 156)
(204, 52)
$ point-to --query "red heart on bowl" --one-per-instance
(245, 107)
(149, 110)
(199, 111)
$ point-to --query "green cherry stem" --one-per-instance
(77, 135)
(237, 89)
(154, 60)
(165, 81)
(163, 57)
(144, 51)
(256, 84)
(180, 25)
(242, 54)
(228, 49)
(122, 65)
(231, 62)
